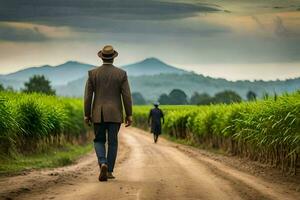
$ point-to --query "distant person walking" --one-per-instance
(107, 86)
(155, 117)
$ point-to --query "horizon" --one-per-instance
(235, 40)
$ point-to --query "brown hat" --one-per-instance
(107, 52)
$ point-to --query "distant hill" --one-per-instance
(151, 86)
(70, 71)
(151, 77)
(58, 75)
(151, 66)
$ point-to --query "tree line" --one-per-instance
(179, 97)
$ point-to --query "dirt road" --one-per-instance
(144, 171)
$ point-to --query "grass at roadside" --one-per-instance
(54, 157)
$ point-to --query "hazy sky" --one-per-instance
(234, 39)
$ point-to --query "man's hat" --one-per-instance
(156, 103)
(107, 52)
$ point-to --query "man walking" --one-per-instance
(107, 86)
(155, 117)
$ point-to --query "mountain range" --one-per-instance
(72, 70)
(151, 77)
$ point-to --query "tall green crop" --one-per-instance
(32, 122)
(267, 131)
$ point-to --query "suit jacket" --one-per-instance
(107, 86)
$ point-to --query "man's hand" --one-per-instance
(88, 121)
(128, 121)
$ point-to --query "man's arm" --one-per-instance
(88, 98)
(127, 101)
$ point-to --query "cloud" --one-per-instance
(183, 28)
(141, 28)
(107, 17)
(94, 13)
(17, 34)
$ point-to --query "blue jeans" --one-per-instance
(112, 130)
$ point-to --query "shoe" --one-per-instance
(110, 175)
(103, 173)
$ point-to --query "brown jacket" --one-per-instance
(105, 89)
